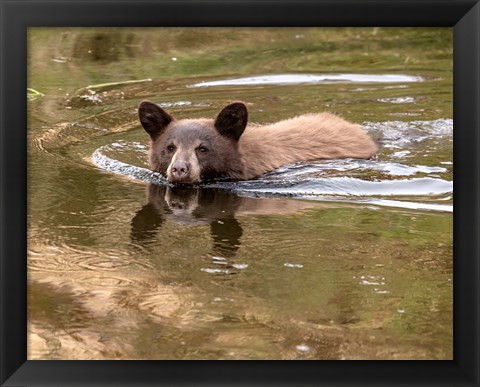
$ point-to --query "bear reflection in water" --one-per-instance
(192, 206)
(218, 208)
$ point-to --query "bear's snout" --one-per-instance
(180, 170)
(184, 168)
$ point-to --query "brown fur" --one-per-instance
(239, 152)
(303, 138)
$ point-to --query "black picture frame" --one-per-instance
(17, 15)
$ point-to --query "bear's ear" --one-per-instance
(232, 120)
(153, 118)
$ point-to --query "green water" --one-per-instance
(331, 260)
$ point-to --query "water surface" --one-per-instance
(330, 259)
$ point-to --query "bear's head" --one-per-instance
(191, 151)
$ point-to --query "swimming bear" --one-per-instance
(190, 151)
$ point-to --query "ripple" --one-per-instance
(289, 79)
(412, 205)
(390, 168)
(311, 186)
(293, 265)
(108, 164)
(106, 281)
(104, 92)
(160, 304)
(401, 134)
(103, 263)
(217, 271)
(240, 266)
(314, 189)
(302, 348)
(358, 181)
(69, 259)
(352, 186)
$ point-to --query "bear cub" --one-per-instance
(192, 151)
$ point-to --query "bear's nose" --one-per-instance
(180, 170)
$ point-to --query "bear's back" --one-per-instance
(303, 138)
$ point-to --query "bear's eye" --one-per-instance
(202, 149)
(170, 148)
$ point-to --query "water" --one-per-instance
(332, 180)
(288, 79)
(330, 259)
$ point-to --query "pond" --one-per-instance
(329, 259)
